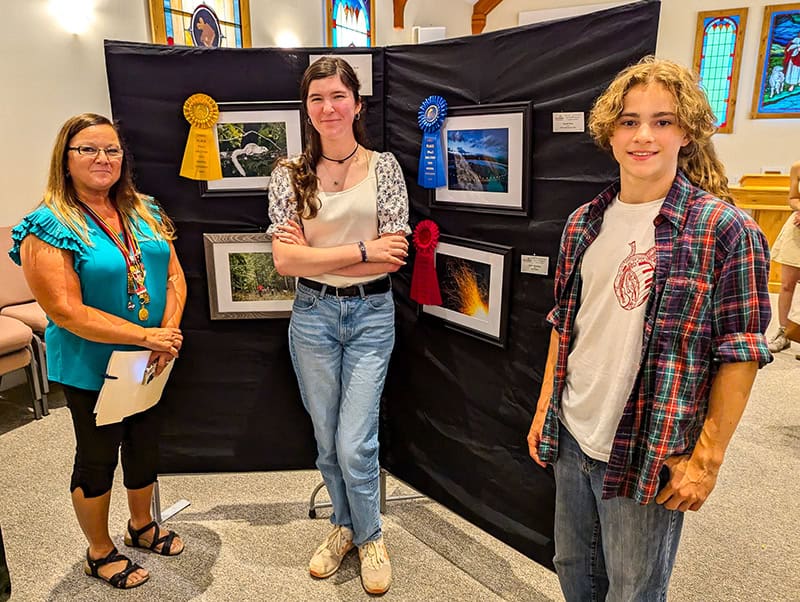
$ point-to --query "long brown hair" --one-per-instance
(302, 168)
(62, 199)
(698, 159)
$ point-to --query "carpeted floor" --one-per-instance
(248, 536)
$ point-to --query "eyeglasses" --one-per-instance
(112, 152)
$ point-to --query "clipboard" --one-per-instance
(124, 392)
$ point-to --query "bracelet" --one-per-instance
(362, 247)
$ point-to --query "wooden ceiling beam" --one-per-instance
(479, 11)
(399, 10)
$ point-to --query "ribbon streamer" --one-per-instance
(431, 116)
(424, 282)
(201, 156)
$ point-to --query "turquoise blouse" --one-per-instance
(72, 360)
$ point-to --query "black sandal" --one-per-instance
(133, 535)
(118, 579)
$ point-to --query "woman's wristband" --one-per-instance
(362, 247)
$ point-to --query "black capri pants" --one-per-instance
(97, 447)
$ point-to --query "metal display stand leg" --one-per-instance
(155, 506)
(313, 505)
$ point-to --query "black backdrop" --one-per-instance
(455, 410)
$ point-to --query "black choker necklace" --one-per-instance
(341, 160)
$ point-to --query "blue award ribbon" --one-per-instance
(432, 168)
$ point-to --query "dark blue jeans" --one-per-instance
(615, 550)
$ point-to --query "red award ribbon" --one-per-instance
(424, 283)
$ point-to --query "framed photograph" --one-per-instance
(242, 280)
(203, 23)
(475, 279)
(251, 137)
(488, 150)
(777, 90)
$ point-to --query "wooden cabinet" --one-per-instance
(765, 197)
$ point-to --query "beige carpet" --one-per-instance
(248, 536)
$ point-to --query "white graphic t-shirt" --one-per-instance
(617, 274)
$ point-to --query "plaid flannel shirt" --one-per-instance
(708, 304)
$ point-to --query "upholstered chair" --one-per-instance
(16, 301)
(16, 352)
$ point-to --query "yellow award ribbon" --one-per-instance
(201, 157)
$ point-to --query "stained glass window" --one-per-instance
(215, 23)
(717, 57)
(350, 23)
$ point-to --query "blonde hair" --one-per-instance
(62, 199)
(698, 159)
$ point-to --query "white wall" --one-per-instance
(303, 18)
(50, 74)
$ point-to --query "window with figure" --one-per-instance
(717, 56)
(205, 23)
(350, 23)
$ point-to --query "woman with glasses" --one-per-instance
(339, 215)
(99, 258)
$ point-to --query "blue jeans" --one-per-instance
(340, 349)
(616, 549)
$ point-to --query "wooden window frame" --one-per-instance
(329, 23)
(158, 28)
(737, 55)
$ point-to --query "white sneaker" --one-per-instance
(329, 555)
(376, 569)
(779, 342)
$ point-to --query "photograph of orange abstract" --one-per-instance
(464, 285)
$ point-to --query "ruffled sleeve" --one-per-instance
(392, 196)
(44, 225)
(282, 206)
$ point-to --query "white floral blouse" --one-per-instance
(392, 197)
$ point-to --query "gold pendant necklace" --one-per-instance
(143, 314)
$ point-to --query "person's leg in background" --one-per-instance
(790, 275)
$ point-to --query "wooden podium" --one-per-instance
(765, 197)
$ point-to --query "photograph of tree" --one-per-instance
(254, 278)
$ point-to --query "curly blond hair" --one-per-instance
(698, 159)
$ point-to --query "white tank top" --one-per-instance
(346, 217)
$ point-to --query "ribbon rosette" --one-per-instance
(424, 283)
(431, 116)
(201, 157)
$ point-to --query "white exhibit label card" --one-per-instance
(534, 264)
(361, 64)
(569, 122)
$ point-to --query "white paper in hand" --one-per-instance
(123, 393)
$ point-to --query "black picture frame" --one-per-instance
(257, 149)
(466, 267)
(511, 130)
